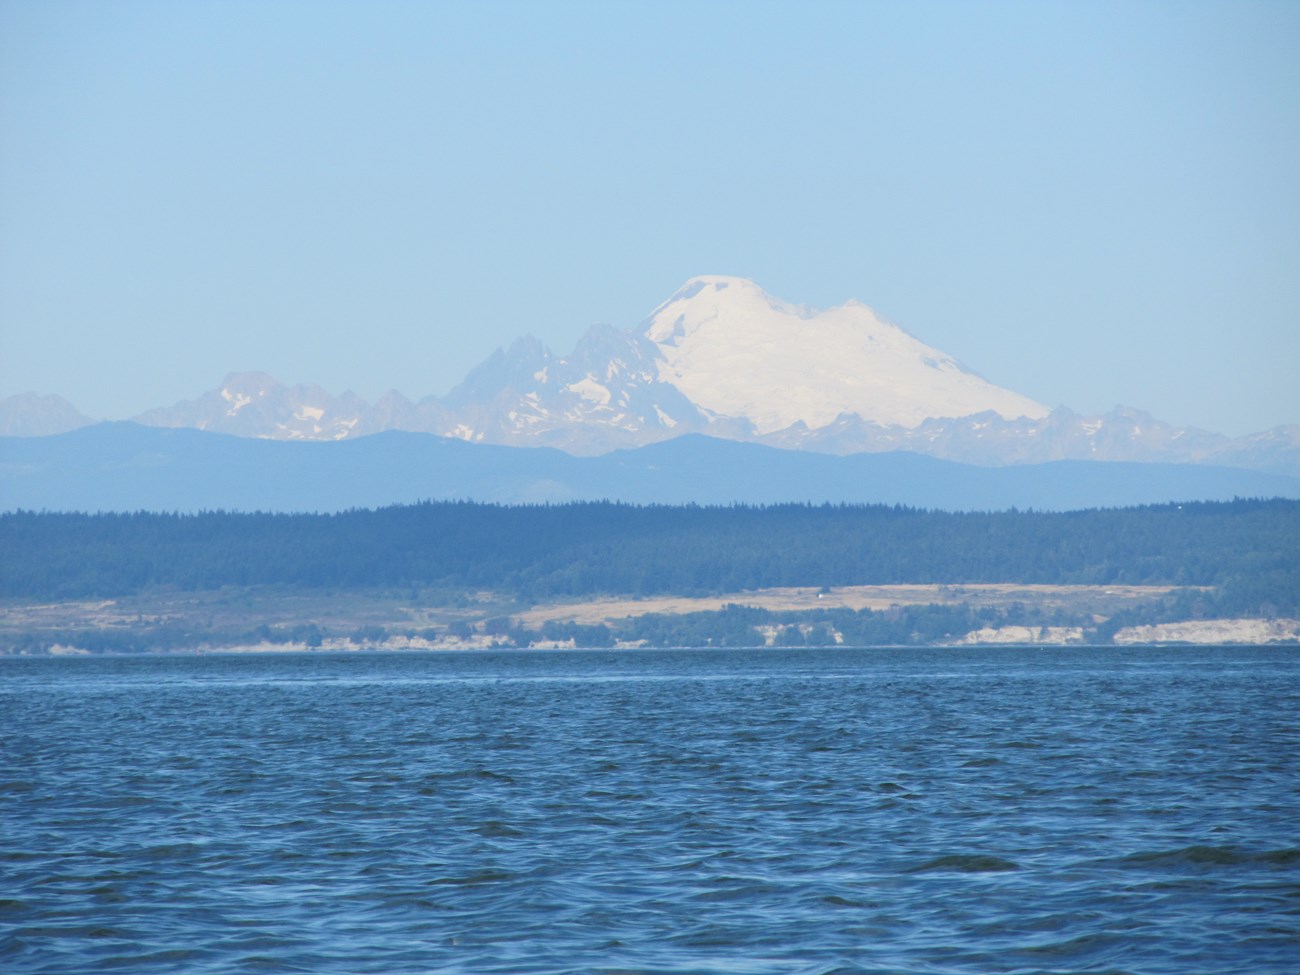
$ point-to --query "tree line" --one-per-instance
(1249, 550)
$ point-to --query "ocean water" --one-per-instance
(811, 811)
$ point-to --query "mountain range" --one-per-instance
(129, 467)
(721, 358)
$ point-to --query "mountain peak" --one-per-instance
(33, 415)
(736, 351)
(250, 383)
(704, 298)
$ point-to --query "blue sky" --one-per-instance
(1089, 203)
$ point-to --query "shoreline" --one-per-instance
(262, 620)
(1191, 634)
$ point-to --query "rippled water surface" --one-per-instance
(805, 811)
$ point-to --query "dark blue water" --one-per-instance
(804, 811)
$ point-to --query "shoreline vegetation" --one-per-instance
(461, 575)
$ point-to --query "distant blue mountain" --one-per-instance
(127, 467)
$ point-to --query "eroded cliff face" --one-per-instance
(1248, 631)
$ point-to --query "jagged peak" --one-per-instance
(526, 346)
(250, 382)
(392, 396)
(514, 368)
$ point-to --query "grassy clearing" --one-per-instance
(1099, 601)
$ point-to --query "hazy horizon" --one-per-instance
(1088, 204)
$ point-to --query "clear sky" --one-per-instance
(1090, 203)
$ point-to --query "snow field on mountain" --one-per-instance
(733, 350)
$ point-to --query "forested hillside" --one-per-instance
(1248, 550)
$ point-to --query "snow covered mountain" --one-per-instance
(564, 406)
(720, 357)
(735, 351)
(253, 404)
(723, 358)
(605, 394)
(1122, 434)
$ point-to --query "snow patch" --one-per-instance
(590, 390)
(664, 418)
(237, 401)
